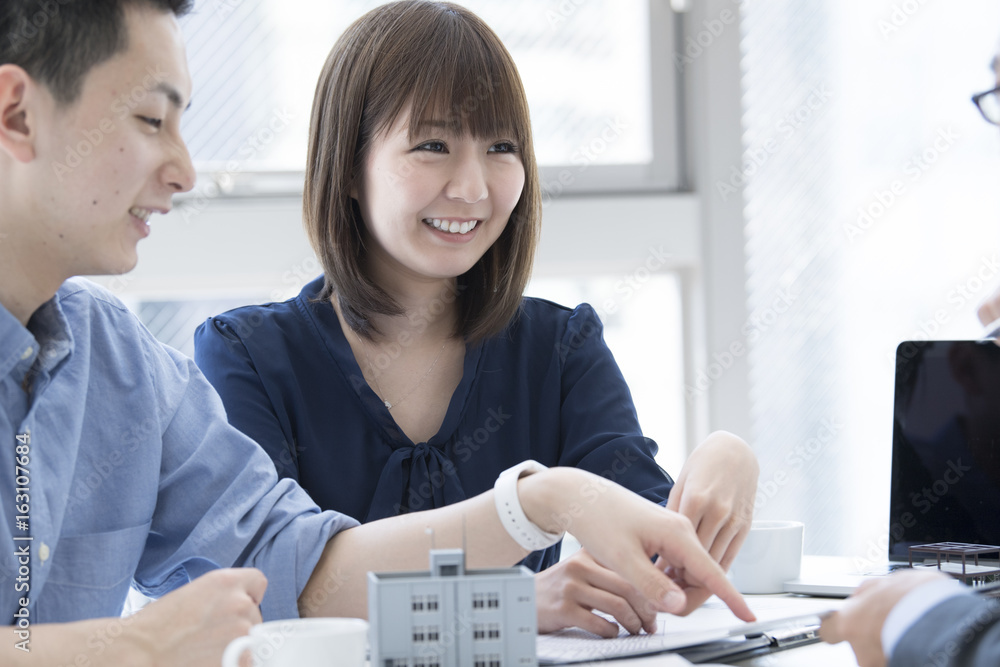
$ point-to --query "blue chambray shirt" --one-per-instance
(133, 471)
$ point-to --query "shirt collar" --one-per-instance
(16, 342)
(47, 333)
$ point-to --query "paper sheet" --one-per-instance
(711, 622)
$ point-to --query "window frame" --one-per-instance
(664, 173)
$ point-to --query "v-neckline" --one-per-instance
(327, 329)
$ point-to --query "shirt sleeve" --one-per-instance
(599, 427)
(219, 501)
(224, 359)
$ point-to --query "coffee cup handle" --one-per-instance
(231, 656)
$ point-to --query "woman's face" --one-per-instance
(435, 202)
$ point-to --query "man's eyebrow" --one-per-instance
(172, 94)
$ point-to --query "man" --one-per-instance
(923, 617)
(120, 465)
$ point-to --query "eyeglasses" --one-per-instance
(988, 104)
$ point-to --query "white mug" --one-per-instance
(771, 555)
(302, 642)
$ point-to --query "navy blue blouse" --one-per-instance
(547, 389)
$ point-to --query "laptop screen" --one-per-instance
(945, 445)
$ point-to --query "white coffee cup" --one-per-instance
(771, 555)
(302, 642)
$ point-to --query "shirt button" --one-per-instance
(43, 552)
(27, 352)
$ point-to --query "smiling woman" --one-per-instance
(417, 347)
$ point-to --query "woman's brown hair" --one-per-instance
(437, 59)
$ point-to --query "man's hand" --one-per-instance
(568, 593)
(860, 620)
(715, 490)
(193, 625)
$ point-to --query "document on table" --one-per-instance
(712, 622)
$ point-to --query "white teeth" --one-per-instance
(141, 213)
(453, 227)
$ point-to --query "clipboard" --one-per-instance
(728, 642)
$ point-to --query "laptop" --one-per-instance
(945, 479)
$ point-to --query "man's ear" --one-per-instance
(17, 120)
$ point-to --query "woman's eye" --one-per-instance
(503, 147)
(433, 146)
(152, 122)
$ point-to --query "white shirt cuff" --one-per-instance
(912, 606)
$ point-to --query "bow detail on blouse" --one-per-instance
(419, 477)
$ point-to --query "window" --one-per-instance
(642, 315)
(486, 631)
(870, 210)
(601, 91)
(417, 603)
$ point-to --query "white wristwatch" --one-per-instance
(512, 516)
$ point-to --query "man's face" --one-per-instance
(115, 156)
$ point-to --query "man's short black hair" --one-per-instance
(58, 41)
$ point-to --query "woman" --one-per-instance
(414, 371)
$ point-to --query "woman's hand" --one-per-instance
(715, 490)
(568, 593)
(622, 531)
